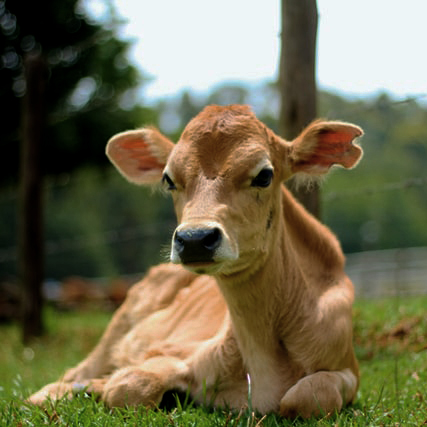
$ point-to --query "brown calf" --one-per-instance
(257, 289)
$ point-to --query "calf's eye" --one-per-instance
(263, 179)
(167, 180)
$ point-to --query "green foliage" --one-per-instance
(390, 339)
(383, 202)
(96, 224)
(100, 225)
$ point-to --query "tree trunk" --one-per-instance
(297, 81)
(31, 258)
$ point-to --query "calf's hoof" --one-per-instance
(53, 391)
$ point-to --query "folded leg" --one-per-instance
(321, 393)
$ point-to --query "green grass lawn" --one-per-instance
(390, 340)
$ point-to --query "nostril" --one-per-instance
(179, 239)
(212, 239)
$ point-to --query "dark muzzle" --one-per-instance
(197, 245)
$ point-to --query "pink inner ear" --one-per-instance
(148, 163)
(336, 148)
(141, 153)
(336, 137)
(332, 146)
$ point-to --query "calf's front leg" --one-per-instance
(144, 384)
(319, 394)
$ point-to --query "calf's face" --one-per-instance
(225, 188)
(224, 175)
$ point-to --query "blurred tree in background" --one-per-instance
(91, 95)
(64, 83)
(91, 84)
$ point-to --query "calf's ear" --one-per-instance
(324, 144)
(140, 155)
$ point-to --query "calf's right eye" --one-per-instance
(263, 179)
(167, 180)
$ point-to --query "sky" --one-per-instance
(363, 46)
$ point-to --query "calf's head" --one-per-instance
(225, 175)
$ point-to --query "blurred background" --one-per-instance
(105, 66)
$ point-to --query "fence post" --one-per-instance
(297, 80)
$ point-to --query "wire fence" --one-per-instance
(75, 243)
(393, 272)
(372, 190)
(125, 234)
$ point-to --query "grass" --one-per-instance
(390, 340)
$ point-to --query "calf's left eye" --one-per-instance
(263, 179)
